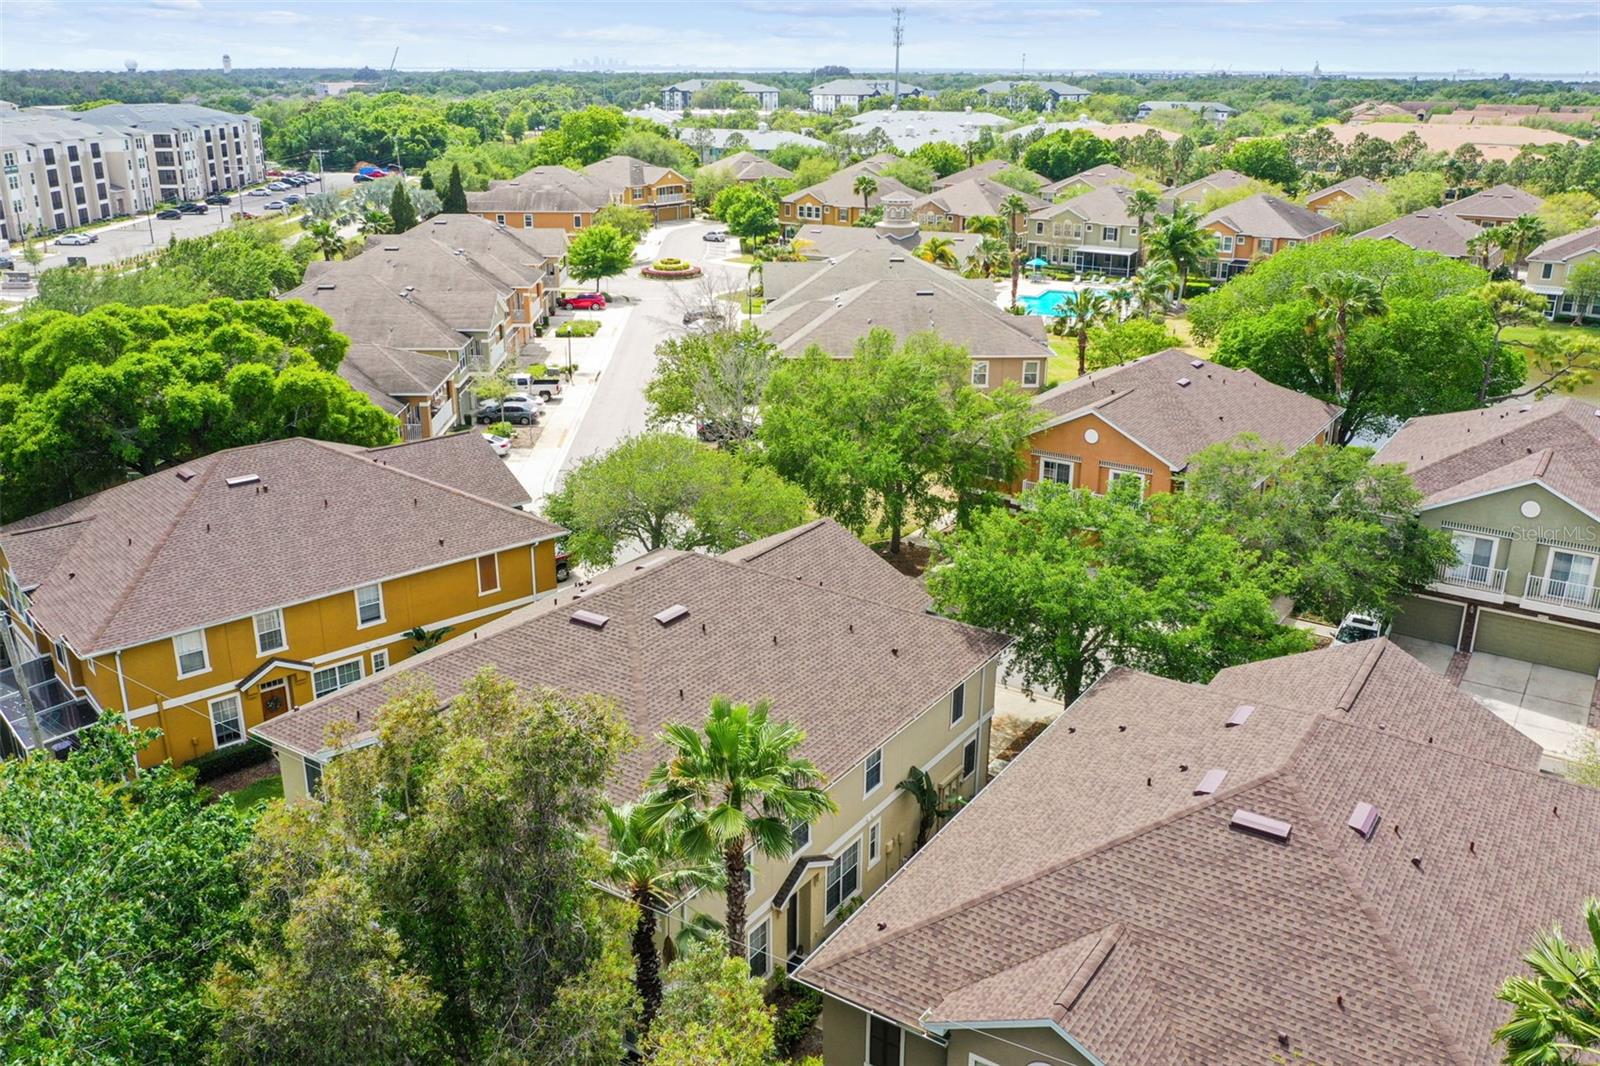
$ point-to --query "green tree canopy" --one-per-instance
(1067, 152)
(1264, 160)
(599, 252)
(117, 895)
(749, 213)
(1114, 343)
(1555, 1014)
(944, 157)
(663, 490)
(440, 895)
(401, 211)
(633, 222)
(454, 201)
(714, 1015)
(715, 378)
(892, 435)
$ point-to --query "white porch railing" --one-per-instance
(1566, 593)
(1465, 575)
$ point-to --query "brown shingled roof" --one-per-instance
(826, 554)
(1501, 203)
(1089, 888)
(1265, 215)
(1431, 230)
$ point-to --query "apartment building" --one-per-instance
(1550, 268)
(1089, 232)
(834, 201)
(850, 92)
(1056, 92)
(551, 197)
(812, 620)
(1217, 114)
(1259, 226)
(680, 95)
(950, 208)
(661, 191)
(211, 597)
(191, 150)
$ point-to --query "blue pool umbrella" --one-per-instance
(1037, 262)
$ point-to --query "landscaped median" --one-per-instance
(670, 269)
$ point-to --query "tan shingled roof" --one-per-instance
(847, 668)
(1356, 188)
(1265, 215)
(455, 459)
(551, 188)
(976, 196)
(165, 554)
(1089, 887)
(1431, 230)
(826, 554)
(1145, 401)
(1502, 203)
(619, 172)
(1468, 453)
(838, 188)
(1560, 249)
(985, 170)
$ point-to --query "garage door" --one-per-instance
(1429, 620)
(1539, 642)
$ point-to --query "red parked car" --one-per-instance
(584, 301)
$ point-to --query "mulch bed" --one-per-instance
(233, 782)
(912, 559)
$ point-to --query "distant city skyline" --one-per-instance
(1353, 36)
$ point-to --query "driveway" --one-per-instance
(1550, 706)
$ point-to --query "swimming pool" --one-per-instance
(1049, 303)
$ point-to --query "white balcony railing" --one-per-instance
(1466, 575)
(1566, 593)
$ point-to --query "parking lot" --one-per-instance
(142, 234)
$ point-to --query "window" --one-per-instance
(1476, 556)
(269, 632)
(60, 649)
(380, 661)
(1110, 234)
(313, 776)
(1119, 475)
(1030, 373)
(1057, 470)
(980, 373)
(227, 727)
(577, 221)
(1224, 243)
(191, 651)
(874, 844)
(883, 1042)
(844, 877)
(369, 605)
(1038, 229)
(527, 221)
(749, 870)
(1265, 244)
(969, 757)
(1569, 575)
(500, 219)
(488, 574)
(873, 776)
(759, 949)
(958, 704)
(1546, 269)
(333, 678)
(800, 835)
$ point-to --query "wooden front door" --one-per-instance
(274, 699)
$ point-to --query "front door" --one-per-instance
(274, 699)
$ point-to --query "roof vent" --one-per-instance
(1241, 714)
(1251, 822)
(185, 474)
(1210, 782)
(897, 259)
(1197, 363)
(442, 221)
(1183, 383)
(924, 292)
(391, 247)
(243, 479)
(326, 286)
(590, 619)
(1363, 819)
(671, 614)
(590, 591)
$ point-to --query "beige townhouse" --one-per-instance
(811, 619)
(1093, 178)
(984, 171)
(1550, 269)
(952, 207)
(1195, 192)
(834, 201)
(1259, 226)
(1494, 206)
(1091, 232)
(661, 191)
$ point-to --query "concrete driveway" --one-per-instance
(1550, 706)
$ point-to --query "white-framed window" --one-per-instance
(1110, 234)
(488, 574)
(799, 835)
(369, 605)
(1476, 555)
(884, 1042)
(1224, 243)
(874, 844)
(1030, 373)
(980, 372)
(227, 724)
(527, 221)
(749, 870)
(313, 776)
(500, 219)
(1264, 243)
(333, 678)
(759, 949)
(380, 660)
(1546, 269)
(1118, 475)
(269, 632)
(975, 1059)
(1569, 575)
(1058, 470)
(844, 877)
(958, 704)
(872, 775)
(577, 221)
(969, 757)
(190, 648)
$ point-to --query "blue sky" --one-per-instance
(1551, 36)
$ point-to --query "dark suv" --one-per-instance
(517, 412)
(193, 209)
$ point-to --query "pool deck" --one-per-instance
(1029, 287)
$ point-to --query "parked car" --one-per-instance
(294, 198)
(275, 205)
(72, 240)
(193, 209)
(171, 212)
(583, 301)
(543, 388)
(1358, 626)
(219, 198)
(360, 177)
(274, 173)
(716, 236)
(519, 412)
(258, 192)
(278, 186)
(7, 263)
(712, 316)
(501, 446)
(563, 561)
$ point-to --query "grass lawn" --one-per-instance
(265, 788)
(758, 304)
(1064, 363)
(1591, 391)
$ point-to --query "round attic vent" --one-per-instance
(1092, 436)
(1530, 508)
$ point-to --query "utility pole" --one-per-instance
(899, 39)
(8, 638)
(322, 185)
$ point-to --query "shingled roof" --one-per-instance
(838, 189)
(1265, 215)
(847, 667)
(1431, 230)
(619, 172)
(1176, 404)
(1357, 188)
(1502, 203)
(1560, 249)
(825, 554)
(976, 196)
(551, 188)
(181, 548)
(985, 170)
(1555, 442)
(1094, 887)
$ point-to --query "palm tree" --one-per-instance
(1519, 237)
(1121, 301)
(1013, 209)
(920, 787)
(1340, 299)
(1481, 246)
(654, 871)
(1555, 1014)
(1089, 308)
(1154, 284)
(940, 251)
(736, 786)
(865, 186)
(989, 258)
(1142, 204)
(326, 237)
(986, 226)
(1179, 239)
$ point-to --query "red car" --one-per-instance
(274, 173)
(584, 301)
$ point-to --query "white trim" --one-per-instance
(205, 653)
(238, 708)
(828, 912)
(866, 1037)
(1532, 614)
(1070, 464)
(975, 743)
(764, 924)
(361, 665)
(874, 841)
(952, 719)
(1461, 623)
(975, 1059)
(383, 614)
(384, 654)
(1037, 374)
(972, 374)
(1531, 482)
(283, 632)
(866, 765)
(1089, 411)
(478, 573)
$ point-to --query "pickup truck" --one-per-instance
(544, 388)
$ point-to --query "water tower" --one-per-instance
(227, 63)
(132, 66)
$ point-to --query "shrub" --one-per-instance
(502, 429)
(578, 327)
(215, 764)
(671, 268)
(799, 1009)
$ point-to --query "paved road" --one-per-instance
(618, 407)
(141, 235)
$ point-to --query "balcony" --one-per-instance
(1488, 582)
(1580, 600)
(60, 713)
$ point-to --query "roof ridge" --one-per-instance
(1086, 971)
(1358, 680)
(360, 458)
(778, 540)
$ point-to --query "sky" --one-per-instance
(1518, 36)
